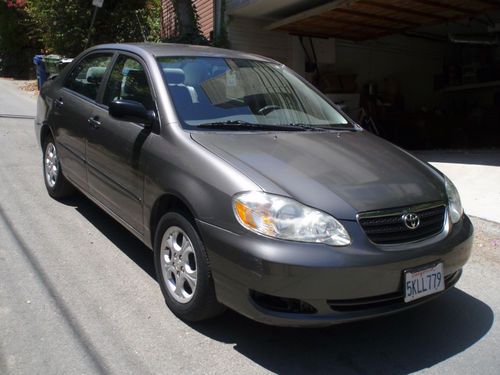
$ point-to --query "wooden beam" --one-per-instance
(325, 30)
(310, 13)
(437, 4)
(319, 31)
(399, 9)
(309, 34)
(495, 3)
(351, 34)
(360, 29)
(357, 23)
(379, 17)
(331, 33)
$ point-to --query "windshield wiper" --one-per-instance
(306, 127)
(322, 128)
(239, 124)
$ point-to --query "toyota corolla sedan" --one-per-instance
(252, 189)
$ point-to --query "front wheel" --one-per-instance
(183, 270)
(55, 182)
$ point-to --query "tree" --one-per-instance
(187, 26)
(186, 17)
(63, 25)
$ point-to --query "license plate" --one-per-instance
(421, 282)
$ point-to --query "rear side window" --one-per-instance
(86, 78)
(128, 81)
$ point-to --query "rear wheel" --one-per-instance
(55, 182)
(183, 270)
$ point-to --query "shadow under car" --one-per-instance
(401, 343)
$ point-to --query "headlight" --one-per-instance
(455, 206)
(284, 218)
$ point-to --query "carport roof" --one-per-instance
(368, 19)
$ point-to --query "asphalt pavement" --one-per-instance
(78, 295)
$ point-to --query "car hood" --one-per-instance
(342, 173)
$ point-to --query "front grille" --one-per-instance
(389, 228)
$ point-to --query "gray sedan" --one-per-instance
(253, 190)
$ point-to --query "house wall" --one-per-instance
(205, 9)
(167, 19)
(250, 35)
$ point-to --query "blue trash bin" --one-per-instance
(41, 73)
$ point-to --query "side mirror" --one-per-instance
(131, 110)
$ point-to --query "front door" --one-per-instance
(114, 146)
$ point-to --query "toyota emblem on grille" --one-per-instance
(412, 221)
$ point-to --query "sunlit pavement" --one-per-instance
(476, 173)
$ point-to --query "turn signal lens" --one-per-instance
(244, 214)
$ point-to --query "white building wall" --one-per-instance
(250, 35)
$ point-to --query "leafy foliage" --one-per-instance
(222, 40)
(63, 25)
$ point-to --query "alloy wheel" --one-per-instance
(178, 264)
(51, 164)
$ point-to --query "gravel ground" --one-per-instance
(31, 86)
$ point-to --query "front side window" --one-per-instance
(86, 78)
(128, 81)
(213, 91)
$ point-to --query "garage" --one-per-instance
(424, 74)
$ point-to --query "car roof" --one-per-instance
(172, 49)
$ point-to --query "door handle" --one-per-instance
(59, 103)
(94, 122)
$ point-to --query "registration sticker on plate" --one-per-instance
(421, 282)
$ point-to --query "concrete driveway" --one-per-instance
(476, 175)
(78, 295)
(14, 102)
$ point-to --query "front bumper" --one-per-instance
(341, 284)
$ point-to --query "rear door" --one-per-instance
(73, 104)
(114, 148)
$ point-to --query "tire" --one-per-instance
(183, 270)
(57, 185)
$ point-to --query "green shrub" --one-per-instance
(63, 25)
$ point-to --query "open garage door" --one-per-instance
(369, 19)
(421, 73)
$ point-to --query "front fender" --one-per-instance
(175, 164)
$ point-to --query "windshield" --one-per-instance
(240, 93)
